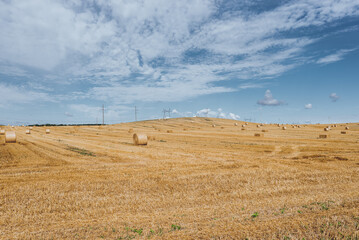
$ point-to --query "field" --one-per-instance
(192, 181)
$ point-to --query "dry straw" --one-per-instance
(140, 139)
(47, 131)
(10, 137)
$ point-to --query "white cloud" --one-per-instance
(334, 97)
(206, 112)
(135, 50)
(339, 55)
(269, 100)
(308, 106)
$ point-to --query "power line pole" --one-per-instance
(135, 113)
(103, 114)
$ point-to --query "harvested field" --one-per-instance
(198, 182)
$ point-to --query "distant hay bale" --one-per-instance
(151, 138)
(31, 128)
(258, 126)
(235, 124)
(299, 126)
(2, 132)
(47, 131)
(264, 130)
(246, 123)
(222, 127)
(258, 135)
(284, 128)
(243, 128)
(326, 129)
(169, 131)
(130, 130)
(278, 125)
(140, 139)
(10, 137)
(323, 136)
(343, 132)
(185, 129)
(28, 131)
(213, 125)
(346, 128)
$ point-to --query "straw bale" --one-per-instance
(343, 132)
(130, 130)
(169, 131)
(235, 124)
(264, 130)
(2, 132)
(10, 137)
(28, 131)
(346, 128)
(213, 125)
(284, 128)
(258, 135)
(47, 131)
(151, 138)
(140, 139)
(326, 129)
(323, 136)
(243, 128)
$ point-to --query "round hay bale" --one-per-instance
(246, 123)
(243, 128)
(140, 139)
(169, 131)
(28, 131)
(264, 130)
(130, 130)
(258, 126)
(10, 137)
(47, 131)
(343, 132)
(151, 138)
(213, 125)
(258, 135)
(323, 136)
(326, 129)
(346, 128)
(235, 124)
(222, 127)
(2, 132)
(284, 128)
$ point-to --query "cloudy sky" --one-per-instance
(260, 60)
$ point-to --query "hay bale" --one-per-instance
(258, 135)
(169, 131)
(151, 138)
(140, 139)
(185, 129)
(47, 131)
(323, 136)
(213, 125)
(130, 130)
(2, 132)
(258, 126)
(246, 123)
(243, 129)
(326, 129)
(346, 128)
(10, 137)
(235, 124)
(264, 130)
(31, 128)
(243, 126)
(222, 127)
(343, 132)
(28, 131)
(284, 128)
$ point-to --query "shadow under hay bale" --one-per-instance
(140, 139)
(10, 137)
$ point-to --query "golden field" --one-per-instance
(192, 181)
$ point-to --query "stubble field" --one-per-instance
(192, 181)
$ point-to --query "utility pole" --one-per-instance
(103, 114)
(135, 113)
(166, 111)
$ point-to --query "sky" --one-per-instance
(264, 61)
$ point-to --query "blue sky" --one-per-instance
(265, 61)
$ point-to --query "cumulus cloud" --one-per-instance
(159, 50)
(334, 97)
(339, 55)
(67, 114)
(308, 106)
(269, 100)
(206, 112)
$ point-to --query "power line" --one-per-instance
(136, 113)
(165, 111)
(103, 114)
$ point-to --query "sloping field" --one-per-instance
(196, 182)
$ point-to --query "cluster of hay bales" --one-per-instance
(10, 137)
(140, 139)
(243, 125)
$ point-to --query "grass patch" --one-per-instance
(81, 151)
